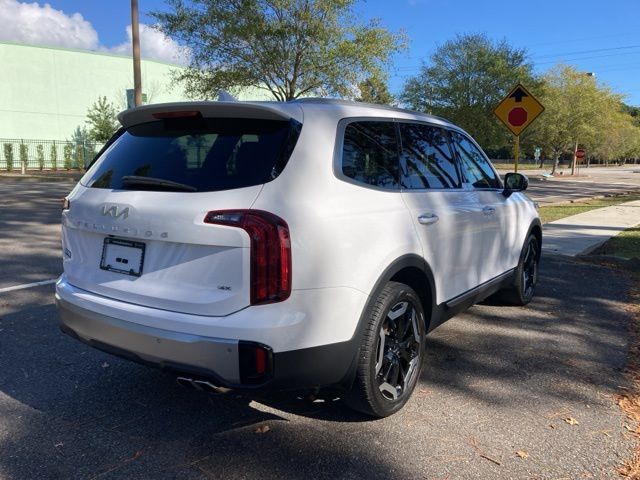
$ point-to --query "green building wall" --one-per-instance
(45, 92)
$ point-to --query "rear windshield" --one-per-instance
(195, 155)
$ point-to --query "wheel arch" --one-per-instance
(411, 270)
(536, 229)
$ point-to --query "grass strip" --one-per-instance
(550, 213)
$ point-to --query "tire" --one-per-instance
(391, 354)
(526, 274)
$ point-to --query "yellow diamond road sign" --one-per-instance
(518, 109)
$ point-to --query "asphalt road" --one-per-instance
(589, 182)
(497, 380)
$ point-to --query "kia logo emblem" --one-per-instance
(114, 211)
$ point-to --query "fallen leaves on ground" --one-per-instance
(571, 421)
(629, 398)
(522, 454)
(263, 429)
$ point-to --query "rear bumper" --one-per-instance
(215, 358)
(209, 357)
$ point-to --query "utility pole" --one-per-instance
(135, 40)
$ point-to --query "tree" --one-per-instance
(54, 157)
(464, 81)
(578, 111)
(83, 147)
(8, 155)
(40, 156)
(286, 47)
(375, 90)
(102, 120)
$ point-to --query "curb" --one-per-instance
(592, 197)
(64, 177)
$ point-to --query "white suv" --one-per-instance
(301, 244)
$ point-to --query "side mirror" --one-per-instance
(514, 182)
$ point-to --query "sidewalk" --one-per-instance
(582, 233)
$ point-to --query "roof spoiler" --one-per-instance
(224, 109)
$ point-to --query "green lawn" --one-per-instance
(521, 166)
(626, 245)
(556, 212)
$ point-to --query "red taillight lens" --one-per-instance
(255, 361)
(261, 361)
(270, 251)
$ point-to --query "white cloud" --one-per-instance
(156, 45)
(42, 25)
(38, 24)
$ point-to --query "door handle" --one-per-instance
(428, 218)
(488, 211)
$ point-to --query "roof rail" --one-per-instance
(339, 101)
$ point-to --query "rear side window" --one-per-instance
(370, 153)
(427, 159)
(201, 155)
(474, 165)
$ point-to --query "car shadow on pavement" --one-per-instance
(69, 411)
(572, 336)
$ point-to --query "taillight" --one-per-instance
(270, 251)
(66, 204)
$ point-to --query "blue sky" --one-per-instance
(594, 36)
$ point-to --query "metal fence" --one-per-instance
(45, 154)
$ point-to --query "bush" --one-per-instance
(8, 155)
(40, 156)
(54, 157)
(83, 147)
(67, 156)
(79, 160)
(24, 155)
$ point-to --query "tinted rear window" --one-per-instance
(370, 153)
(201, 155)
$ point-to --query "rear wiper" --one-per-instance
(133, 180)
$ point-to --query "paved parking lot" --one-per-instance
(590, 182)
(498, 380)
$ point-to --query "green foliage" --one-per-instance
(633, 111)
(54, 157)
(83, 147)
(40, 156)
(464, 81)
(8, 155)
(580, 111)
(102, 120)
(287, 47)
(24, 155)
(68, 156)
(375, 90)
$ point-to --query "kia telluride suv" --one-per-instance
(303, 244)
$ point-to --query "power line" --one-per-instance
(586, 58)
(558, 57)
(585, 51)
(582, 39)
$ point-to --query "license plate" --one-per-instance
(122, 256)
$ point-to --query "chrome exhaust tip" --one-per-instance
(210, 387)
(202, 385)
(185, 382)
